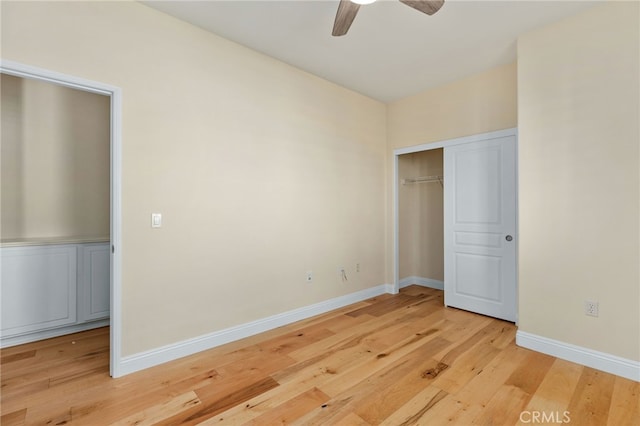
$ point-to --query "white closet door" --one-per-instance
(480, 227)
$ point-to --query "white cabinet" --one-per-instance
(55, 289)
(93, 294)
(38, 288)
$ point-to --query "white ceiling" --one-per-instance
(391, 51)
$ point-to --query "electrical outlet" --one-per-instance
(591, 308)
(357, 267)
(309, 277)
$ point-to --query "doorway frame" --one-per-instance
(478, 138)
(114, 93)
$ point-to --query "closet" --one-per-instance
(421, 219)
(55, 210)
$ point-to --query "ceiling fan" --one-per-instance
(347, 10)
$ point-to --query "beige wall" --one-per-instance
(261, 171)
(55, 161)
(578, 103)
(478, 104)
(420, 213)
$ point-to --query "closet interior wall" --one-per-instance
(54, 210)
(55, 166)
(421, 219)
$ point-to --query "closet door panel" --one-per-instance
(480, 227)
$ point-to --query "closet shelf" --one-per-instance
(423, 179)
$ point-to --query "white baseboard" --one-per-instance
(6, 342)
(599, 360)
(140, 361)
(424, 282)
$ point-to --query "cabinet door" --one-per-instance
(38, 288)
(94, 291)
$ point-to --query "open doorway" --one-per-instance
(61, 206)
(420, 219)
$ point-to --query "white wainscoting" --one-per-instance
(140, 361)
(599, 360)
(38, 288)
(53, 289)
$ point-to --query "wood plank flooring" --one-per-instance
(392, 360)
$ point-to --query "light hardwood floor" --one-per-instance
(391, 360)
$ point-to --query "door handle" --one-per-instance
(508, 238)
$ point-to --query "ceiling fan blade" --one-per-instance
(344, 17)
(427, 6)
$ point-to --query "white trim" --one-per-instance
(396, 228)
(421, 281)
(54, 332)
(115, 94)
(142, 360)
(116, 234)
(35, 73)
(457, 141)
(599, 360)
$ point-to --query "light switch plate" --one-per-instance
(156, 220)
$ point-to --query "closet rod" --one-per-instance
(421, 179)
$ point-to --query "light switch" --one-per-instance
(156, 220)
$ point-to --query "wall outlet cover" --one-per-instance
(591, 308)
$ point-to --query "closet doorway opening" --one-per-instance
(455, 221)
(421, 219)
(60, 206)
